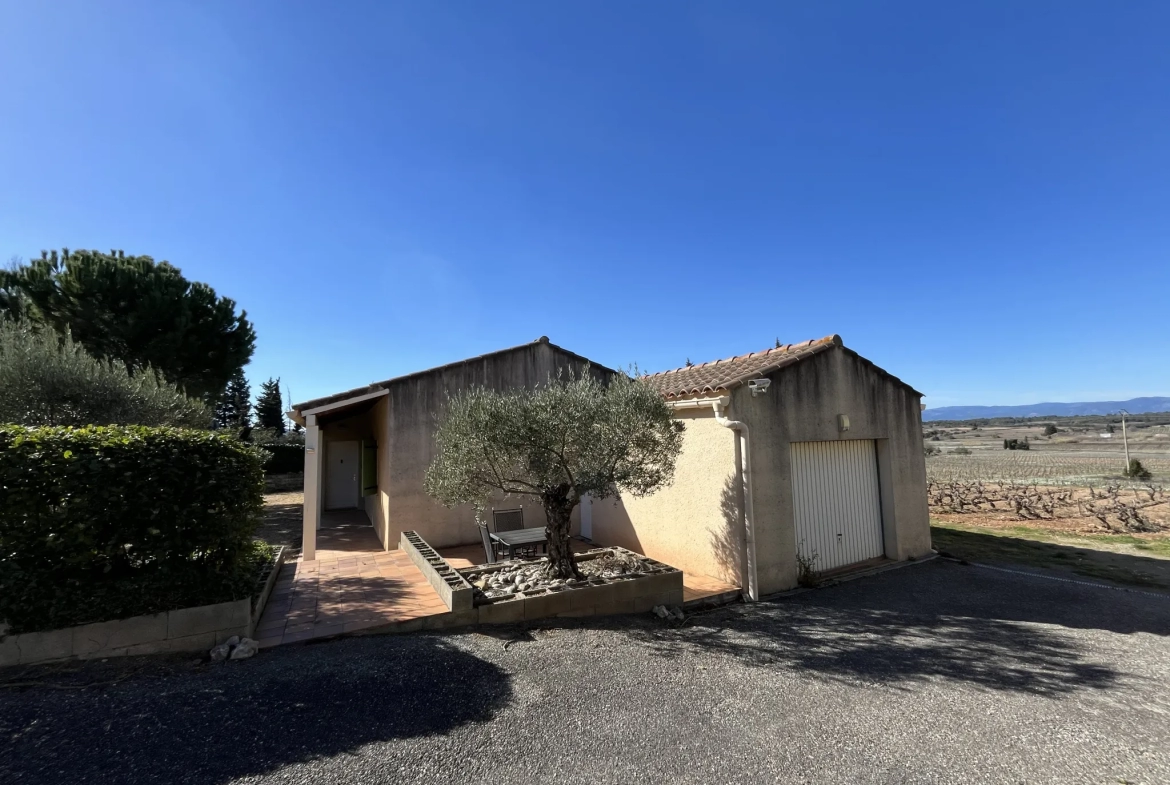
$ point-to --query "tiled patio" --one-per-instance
(352, 585)
(355, 585)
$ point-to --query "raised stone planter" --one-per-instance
(457, 594)
(186, 629)
(660, 584)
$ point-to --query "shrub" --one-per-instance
(1016, 444)
(960, 451)
(286, 458)
(47, 380)
(1136, 471)
(930, 450)
(103, 523)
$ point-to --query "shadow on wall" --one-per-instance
(728, 542)
(612, 525)
(909, 626)
(234, 720)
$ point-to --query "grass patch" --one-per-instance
(1080, 554)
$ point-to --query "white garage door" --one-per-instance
(837, 502)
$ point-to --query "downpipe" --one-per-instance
(743, 461)
(749, 516)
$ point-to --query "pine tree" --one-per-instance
(269, 411)
(234, 409)
(135, 311)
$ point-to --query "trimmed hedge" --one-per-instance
(103, 523)
(286, 458)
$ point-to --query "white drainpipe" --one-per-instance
(745, 471)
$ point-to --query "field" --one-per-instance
(1063, 503)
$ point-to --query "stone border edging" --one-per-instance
(186, 629)
(261, 599)
(456, 593)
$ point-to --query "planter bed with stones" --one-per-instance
(615, 581)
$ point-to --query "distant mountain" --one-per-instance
(1133, 406)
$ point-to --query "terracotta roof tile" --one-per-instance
(734, 371)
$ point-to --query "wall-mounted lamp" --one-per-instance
(759, 386)
(842, 422)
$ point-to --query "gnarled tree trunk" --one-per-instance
(558, 508)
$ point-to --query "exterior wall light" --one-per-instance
(842, 422)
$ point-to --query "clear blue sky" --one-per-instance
(975, 196)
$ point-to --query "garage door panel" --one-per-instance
(837, 502)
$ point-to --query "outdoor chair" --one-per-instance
(510, 521)
(489, 547)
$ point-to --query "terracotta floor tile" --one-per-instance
(271, 623)
(299, 627)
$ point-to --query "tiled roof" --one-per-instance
(734, 371)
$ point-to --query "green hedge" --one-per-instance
(286, 458)
(103, 523)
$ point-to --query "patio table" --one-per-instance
(522, 538)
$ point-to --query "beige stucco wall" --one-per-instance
(377, 504)
(413, 408)
(694, 523)
(802, 404)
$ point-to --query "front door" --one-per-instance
(342, 475)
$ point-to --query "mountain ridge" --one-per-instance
(1147, 405)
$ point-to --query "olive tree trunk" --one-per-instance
(558, 509)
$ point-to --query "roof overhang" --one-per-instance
(298, 416)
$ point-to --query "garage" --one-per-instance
(800, 450)
(837, 502)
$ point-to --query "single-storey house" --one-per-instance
(805, 453)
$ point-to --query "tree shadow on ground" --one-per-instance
(1097, 564)
(215, 723)
(282, 524)
(936, 621)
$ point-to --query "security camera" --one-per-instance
(758, 386)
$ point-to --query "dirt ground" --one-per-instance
(282, 519)
(1070, 517)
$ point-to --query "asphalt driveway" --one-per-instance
(934, 673)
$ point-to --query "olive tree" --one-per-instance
(46, 379)
(571, 437)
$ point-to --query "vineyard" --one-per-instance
(1054, 490)
(1112, 508)
(1041, 468)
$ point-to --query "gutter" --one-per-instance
(743, 468)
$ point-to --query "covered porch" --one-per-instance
(342, 497)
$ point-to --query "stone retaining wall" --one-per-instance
(187, 629)
(660, 585)
(456, 593)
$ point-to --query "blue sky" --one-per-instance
(975, 196)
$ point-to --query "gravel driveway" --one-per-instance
(935, 673)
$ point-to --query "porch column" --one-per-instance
(312, 516)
